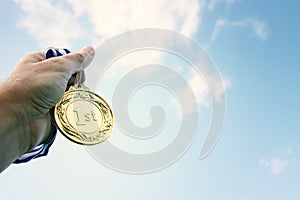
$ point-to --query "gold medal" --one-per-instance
(83, 116)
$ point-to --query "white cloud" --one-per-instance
(199, 85)
(63, 22)
(276, 165)
(213, 3)
(219, 25)
(259, 28)
(50, 24)
(201, 90)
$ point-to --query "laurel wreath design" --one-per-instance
(75, 135)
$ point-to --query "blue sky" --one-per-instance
(255, 46)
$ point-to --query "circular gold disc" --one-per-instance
(84, 117)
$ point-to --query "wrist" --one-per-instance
(11, 100)
(32, 128)
(13, 123)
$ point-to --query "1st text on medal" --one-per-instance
(82, 118)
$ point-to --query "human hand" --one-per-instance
(35, 85)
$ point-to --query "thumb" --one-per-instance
(87, 53)
(73, 62)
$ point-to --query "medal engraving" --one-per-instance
(83, 116)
